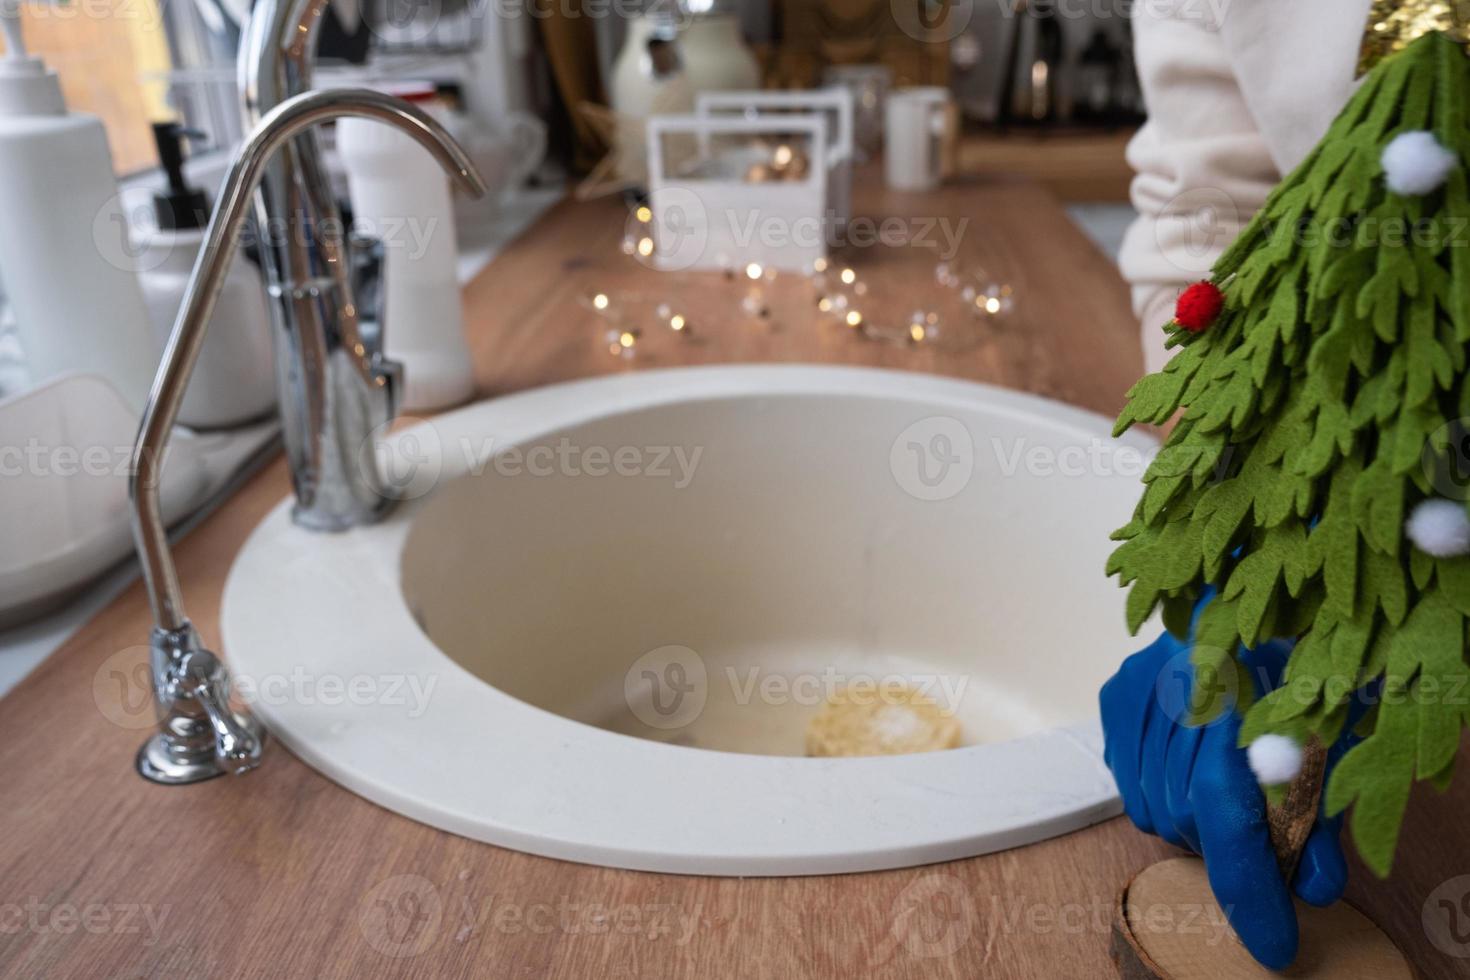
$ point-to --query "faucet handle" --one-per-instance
(366, 278)
(369, 293)
(199, 734)
(237, 740)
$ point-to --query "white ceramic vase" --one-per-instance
(664, 64)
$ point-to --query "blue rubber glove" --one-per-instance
(1193, 787)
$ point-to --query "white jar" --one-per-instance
(663, 65)
(234, 379)
(63, 239)
(400, 195)
(716, 55)
(916, 124)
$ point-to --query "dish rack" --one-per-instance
(436, 27)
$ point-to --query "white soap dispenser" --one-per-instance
(234, 379)
(65, 258)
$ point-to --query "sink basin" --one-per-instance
(603, 616)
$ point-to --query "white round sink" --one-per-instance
(600, 622)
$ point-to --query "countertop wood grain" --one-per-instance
(282, 873)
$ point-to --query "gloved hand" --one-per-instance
(1193, 787)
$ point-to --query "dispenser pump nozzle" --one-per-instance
(15, 43)
(181, 208)
(27, 88)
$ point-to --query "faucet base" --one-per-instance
(334, 522)
(166, 760)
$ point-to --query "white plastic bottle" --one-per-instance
(400, 195)
(64, 251)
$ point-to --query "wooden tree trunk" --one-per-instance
(1291, 820)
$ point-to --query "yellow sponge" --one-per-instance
(868, 721)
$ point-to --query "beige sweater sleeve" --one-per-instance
(1203, 168)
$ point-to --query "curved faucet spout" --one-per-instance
(222, 238)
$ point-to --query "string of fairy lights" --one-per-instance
(966, 304)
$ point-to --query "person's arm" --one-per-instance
(1202, 165)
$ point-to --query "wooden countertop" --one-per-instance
(1073, 165)
(282, 873)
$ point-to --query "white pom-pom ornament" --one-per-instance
(1275, 759)
(1440, 528)
(1415, 163)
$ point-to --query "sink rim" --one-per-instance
(755, 815)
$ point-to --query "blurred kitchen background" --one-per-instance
(550, 97)
(1043, 87)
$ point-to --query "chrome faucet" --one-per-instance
(335, 387)
(335, 383)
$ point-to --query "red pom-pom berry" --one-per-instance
(1198, 306)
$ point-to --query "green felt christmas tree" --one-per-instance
(1322, 401)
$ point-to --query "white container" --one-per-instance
(64, 515)
(64, 244)
(401, 196)
(648, 75)
(836, 105)
(708, 215)
(234, 378)
(716, 55)
(916, 123)
(664, 63)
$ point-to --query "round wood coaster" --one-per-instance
(1168, 926)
